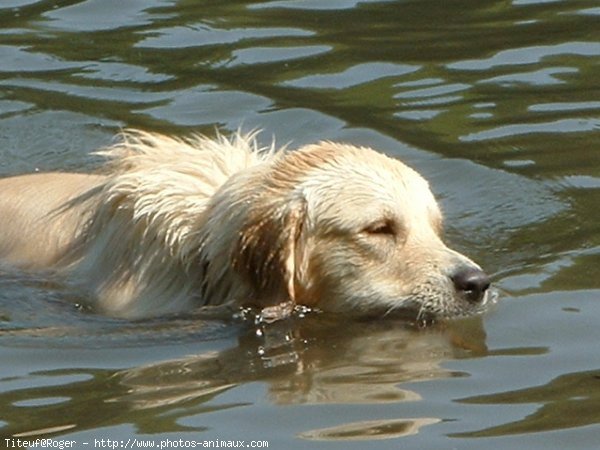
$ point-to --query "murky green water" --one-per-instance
(496, 102)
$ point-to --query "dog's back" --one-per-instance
(36, 223)
(120, 233)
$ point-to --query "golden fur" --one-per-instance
(173, 223)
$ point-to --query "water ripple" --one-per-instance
(204, 35)
(558, 126)
(528, 55)
(541, 77)
(21, 59)
(272, 55)
(353, 76)
(99, 15)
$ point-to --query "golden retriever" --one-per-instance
(171, 223)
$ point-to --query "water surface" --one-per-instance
(496, 102)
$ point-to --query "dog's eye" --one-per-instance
(381, 228)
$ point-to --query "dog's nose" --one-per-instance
(471, 282)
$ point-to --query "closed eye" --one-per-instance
(384, 227)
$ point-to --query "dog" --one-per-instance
(169, 224)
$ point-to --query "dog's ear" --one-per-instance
(270, 251)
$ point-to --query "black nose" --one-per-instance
(471, 283)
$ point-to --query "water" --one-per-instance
(497, 103)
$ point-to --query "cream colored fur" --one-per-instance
(169, 224)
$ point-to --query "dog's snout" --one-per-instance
(471, 282)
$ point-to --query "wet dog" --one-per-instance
(168, 224)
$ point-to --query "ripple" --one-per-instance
(589, 12)
(41, 380)
(19, 59)
(9, 107)
(469, 196)
(353, 76)
(582, 181)
(78, 17)
(202, 106)
(8, 4)
(44, 401)
(528, 55)
(95, 92)
(435, 91)
(313, 4)
(119, 72)
(429, 101)
(263, 55)
(423, 114)
(533, 2)
(481, 115)
(46, 431)
(370, 430)
(558, 126)
(204, 35)
(542, 77)
(519, 163)
(564, 106)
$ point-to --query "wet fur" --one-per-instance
(169, 224)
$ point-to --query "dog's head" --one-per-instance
(343, 229)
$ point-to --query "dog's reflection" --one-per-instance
(314, 360)
(311, 361)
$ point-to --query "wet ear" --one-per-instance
(269, 250)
